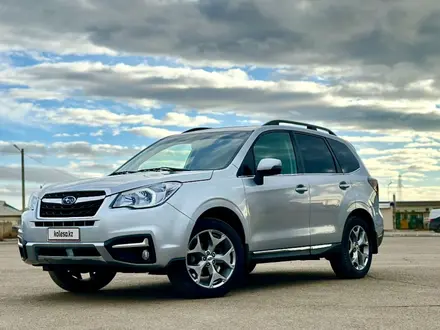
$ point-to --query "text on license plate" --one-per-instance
(63, 234)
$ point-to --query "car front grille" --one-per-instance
(87, 204)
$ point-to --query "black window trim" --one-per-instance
(299, 166)
(335, 161)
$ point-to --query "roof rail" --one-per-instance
(308, 126)
(196, 129)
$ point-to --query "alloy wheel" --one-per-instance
(359, 248)
(210, 259)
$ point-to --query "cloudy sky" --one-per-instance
(85, 84)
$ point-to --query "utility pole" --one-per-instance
(23, 193)
(399, 187)
(394, 211)
(388, 191)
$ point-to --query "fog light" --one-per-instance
(145, 255)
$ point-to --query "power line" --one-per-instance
(38, 161)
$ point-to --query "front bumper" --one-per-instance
(117, 238)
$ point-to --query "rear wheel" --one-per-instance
(214, 262)
(354, 259)
(75, 281)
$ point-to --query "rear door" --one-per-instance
(278, 209)
(330, 189)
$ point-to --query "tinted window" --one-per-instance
(315, 153)
(248, 166)
(345, 157)
(276, 145)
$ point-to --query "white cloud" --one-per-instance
(80, 149)
(37, 174)
(356, 66)
(13, 111)
(423, 144)
(220, 91)
(97, 133)
(101, 117)
(149, 131)
(68, 135)
(382, 138)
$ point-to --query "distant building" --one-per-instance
(409, 214)
(9, 218)
(8, 210)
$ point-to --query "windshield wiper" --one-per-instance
(163, 168)
(154, 169)
(123, 172)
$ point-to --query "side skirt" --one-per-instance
(315, 252)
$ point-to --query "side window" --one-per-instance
(276, 145)
(315, 153)
(344, 155)
(248, 166)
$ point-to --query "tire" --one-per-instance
(70, 281)
(179, 272)
(341, 262)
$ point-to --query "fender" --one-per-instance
(221, 202)
(364, 206)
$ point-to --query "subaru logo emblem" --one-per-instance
(68, 200)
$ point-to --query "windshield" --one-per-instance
(202, 151)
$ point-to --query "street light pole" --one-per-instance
(388, 191)
(23, 194)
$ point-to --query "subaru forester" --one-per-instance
(204, 207)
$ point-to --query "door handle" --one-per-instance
(344, 185)
(301, 189)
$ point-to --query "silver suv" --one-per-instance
(205, 206)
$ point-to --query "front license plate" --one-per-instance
(63, 234)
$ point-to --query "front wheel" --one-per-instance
(354, 259)
(79, 282)
(214, 261)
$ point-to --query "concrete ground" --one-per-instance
(402, 291)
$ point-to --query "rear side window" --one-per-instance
(345, 156)
(315, 153)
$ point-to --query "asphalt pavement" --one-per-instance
(402, 291)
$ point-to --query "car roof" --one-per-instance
(200, 130)
(259, 129)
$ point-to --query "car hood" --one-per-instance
(118, 183)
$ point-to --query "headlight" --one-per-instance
(148, 196)
(33, 201)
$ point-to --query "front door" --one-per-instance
(279, 208)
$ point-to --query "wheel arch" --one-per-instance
(227, 215)
(366, 216)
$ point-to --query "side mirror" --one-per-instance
(267, 167)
